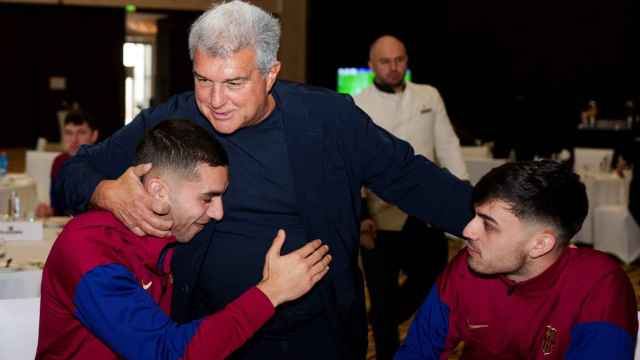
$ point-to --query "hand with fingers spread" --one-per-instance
(127, 199)
(288, 277)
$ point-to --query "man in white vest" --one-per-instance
(392, 240)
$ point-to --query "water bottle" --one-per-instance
(4, 164)
(15, 208)
(592, 113)
(629, 113)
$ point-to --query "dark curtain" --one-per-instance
(82, 45)
(506, 70)
(174, 72)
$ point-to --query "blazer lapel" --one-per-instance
(304, 139)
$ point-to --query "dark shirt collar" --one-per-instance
(387, 88)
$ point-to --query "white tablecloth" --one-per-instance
(23, 277)
(24, 186)
(608, 226)
(19, 320)
(603, 189)
(589, 159)
(616, 232)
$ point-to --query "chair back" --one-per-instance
(590, 159)
(38, 164)
(478, 167)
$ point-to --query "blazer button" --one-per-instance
(186, 288)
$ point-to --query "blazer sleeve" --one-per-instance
(389, 167)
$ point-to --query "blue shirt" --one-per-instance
(259, 200)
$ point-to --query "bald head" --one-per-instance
(386, 44)
(388, 60)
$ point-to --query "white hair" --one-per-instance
(229, 27)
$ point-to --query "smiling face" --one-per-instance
(499, 242)
(196, 201)
(231, 92)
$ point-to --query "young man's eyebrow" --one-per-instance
(210, 194)
(487, 218)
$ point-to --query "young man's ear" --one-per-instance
(157, 188)
(94, 136)
(542, 243)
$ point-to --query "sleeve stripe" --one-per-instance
(600, 340)
(114, 307)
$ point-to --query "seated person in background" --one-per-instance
(106, 292)
(518, 291)
(78, 130)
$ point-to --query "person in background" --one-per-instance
(392, 240)
(78, 130)
(107, 292)
(518, 290)
(298, 156)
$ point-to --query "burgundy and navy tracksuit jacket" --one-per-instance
(106, 294)
(582, 307)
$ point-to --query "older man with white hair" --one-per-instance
(298, 157)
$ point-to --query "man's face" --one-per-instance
(196, 201)
(75, 135)
(388, 59)
(498, 240)
(231, 92)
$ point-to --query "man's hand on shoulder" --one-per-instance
(127, 199)
(288, 277)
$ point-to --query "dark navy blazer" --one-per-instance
(334, 149)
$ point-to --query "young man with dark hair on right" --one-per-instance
(106, 292)
(518, 291)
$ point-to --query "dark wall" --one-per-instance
(174, 72)
(84, 45)
(502, 66)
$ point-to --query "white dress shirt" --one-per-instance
(418, 116)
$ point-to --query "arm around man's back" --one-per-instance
(115, 308)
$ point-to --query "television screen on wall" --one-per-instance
(353, 80)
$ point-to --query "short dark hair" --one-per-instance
(79, 117)
(544, 191)
(179, 145)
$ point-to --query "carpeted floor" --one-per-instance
(632, 270)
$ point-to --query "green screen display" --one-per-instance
(353, 80)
